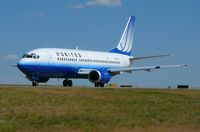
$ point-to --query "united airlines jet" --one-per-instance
(40, 65)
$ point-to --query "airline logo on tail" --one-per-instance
(125, 43)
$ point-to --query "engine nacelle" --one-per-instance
(99, 76)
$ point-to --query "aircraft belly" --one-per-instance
(58, 72)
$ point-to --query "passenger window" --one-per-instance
(75, 55)
(61, 53)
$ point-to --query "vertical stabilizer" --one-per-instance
(125, 43)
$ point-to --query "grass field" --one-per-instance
(87, 109)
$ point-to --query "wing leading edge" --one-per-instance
(147, 57)
(115, 71)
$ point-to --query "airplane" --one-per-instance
(41, 64)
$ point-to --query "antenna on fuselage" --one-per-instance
(76, 47)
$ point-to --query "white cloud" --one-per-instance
(78, 6)
(24, 16)
(40, 14)
(27, 16)
(10, 57)
(110, 3)
(92, 3)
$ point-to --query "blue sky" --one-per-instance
(167, 26)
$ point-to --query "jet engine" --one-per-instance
(99, 76)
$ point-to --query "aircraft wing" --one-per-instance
(147, 57)
(115, 71)
(14, 65)
(84, 71)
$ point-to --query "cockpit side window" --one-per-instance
(32, 55)
(24, 56)
(29, 56)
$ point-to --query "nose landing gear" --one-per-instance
(34, 83)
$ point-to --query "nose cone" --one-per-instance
(27, 66)
(22, 66)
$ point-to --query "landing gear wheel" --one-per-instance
(96, 84)
(65, 83)
(99, 84)
(34, 83)
(68, 83)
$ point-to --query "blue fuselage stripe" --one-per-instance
(56, 70)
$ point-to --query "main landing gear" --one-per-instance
(99, 84)
(68, 83)
(34, 83)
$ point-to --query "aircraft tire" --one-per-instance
(34, 83)
(65, 83)
(101, 84)
(69, 83)
(96, 85)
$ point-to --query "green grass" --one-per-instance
(88, 109)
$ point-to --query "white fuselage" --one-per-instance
(66, 63)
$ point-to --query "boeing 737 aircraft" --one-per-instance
(40, 65)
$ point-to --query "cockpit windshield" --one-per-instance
(32, 55)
